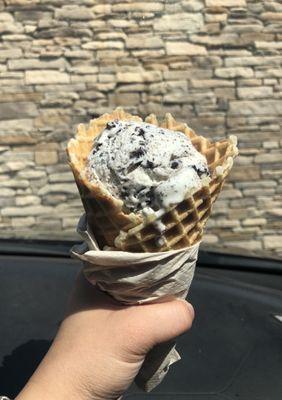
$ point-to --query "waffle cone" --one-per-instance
(114, 227)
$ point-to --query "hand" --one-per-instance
(101, 345)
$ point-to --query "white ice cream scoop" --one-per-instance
(145, 165)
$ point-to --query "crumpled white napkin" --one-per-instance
(136, 278)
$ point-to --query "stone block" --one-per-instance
(260, 107)
(101, 45)
(35, 63)
(111, 35)
(252, 61)
(223, 39)
(256, 184)
(210, 239)
(274, 6)
(254, 221)
(189, 22)
(196, 73)
(84, 54)
(46, 157)
(122, 23)
(249, 82)
(179, 97)
(245, 244)
(27, 200)
(221, 17)
(184, 48)
(74, 12)
(211, 83)
(223, 223)
(272, 242)
(18, 165)
(13, 110)
(10, 27)
(26, 211)
(10, 53)
(208, 62)
(155, 53)
(220, 207)
(236, 72)
(45, 77)
(85, 69)
(110, 54)
(271, 144)
(225, 3)
(3, 149)
(241, 173)
(86, 78)
(271, 16)
(7, 192)
(254, 92)
(106, 78)
(13, 38)
(268, 158)
(16, 138)
(238, 213)
(225, 93)
(192, 5)
(31, 174)
(14, 183)
(61, 177)
(31, 15)
(158, 88)
(6, 202)
(92, 95)
(124, 99)
(70, 222)
(8, 82)
(259, 192)
(143, 41)
(76, 87)
(136, 7)
(268, 45)
(102, 9)
(230, 194)
(142, 76)
(208, 123)
(6, 17)
(22, 222)
(52, 118)
(66, 188)
(54, 199)
(64, 35)
(275, 212)
(269, 73)
(19, 97)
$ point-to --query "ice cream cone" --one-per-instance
(113, 226)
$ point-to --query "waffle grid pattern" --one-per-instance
(184, 223)
(132, 232)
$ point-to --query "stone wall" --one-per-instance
(215, 64)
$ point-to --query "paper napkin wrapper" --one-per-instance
(137, 278)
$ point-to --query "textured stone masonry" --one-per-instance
(215, 64)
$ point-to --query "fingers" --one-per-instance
(164, 321)
(176, 319)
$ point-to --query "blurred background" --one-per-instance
(215, 64)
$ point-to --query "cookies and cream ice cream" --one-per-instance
(144, 165)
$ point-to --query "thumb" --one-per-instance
(165, 321)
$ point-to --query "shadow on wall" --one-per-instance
(18, 367)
